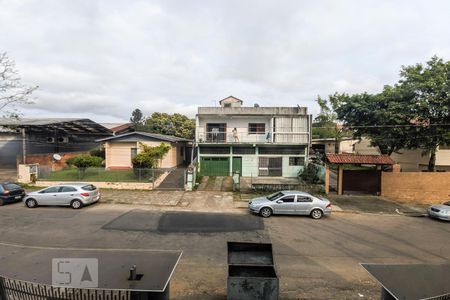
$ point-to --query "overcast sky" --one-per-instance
(102, 59)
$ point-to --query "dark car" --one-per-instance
(10, 192)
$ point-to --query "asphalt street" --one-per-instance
(315, 259)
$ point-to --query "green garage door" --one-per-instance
(214, 166)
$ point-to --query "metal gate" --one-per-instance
(11, 289)
(364, 181)
(215, 166)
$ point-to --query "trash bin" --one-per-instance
(242, 253)
(251, 271)
(252, 282)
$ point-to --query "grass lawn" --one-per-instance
(97, 174)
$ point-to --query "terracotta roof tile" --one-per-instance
(359, 159)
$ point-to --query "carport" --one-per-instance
(360, 180)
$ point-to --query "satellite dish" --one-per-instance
(56, 156)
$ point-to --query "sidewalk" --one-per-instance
(208, 201)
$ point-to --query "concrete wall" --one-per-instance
(416, 187)
(48, 161)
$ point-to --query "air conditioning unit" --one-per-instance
(63, 139)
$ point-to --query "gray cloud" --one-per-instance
(102, 59)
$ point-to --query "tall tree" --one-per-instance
(177, 125)
(412, 114)
(137, 118)
(367, 116)
(326, 124)
(12, 91)
(429, 88)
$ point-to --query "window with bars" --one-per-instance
(256, 128)
(296, 161)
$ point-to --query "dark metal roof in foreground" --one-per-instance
(35, 265)
(134, 137)
(412, 281)
(68, 125)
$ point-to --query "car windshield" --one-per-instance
(275, 196)
(12, 186)
(446, 203)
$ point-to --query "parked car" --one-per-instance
(10, 192)
(440, 211)
(290, 202)
(75, 195)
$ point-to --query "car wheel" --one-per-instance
(1, 202)
(265, 212)
(316, 214)
(31, 203)
(76, 204)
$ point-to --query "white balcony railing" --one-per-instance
(225, 137)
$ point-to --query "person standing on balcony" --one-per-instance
(235, 135)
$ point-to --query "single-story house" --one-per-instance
(120, 149)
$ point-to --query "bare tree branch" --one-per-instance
(12, 91)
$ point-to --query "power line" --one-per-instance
(385, 126)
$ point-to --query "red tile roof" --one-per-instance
(359, 159)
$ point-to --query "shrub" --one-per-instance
(150, 157)
(82, 162)
(310, 174)
(98, 152)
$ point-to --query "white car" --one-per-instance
(75, 195)
(440, 211)
(292, 203)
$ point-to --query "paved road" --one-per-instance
(315, 259)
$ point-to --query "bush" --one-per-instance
(310, 174)
(150, 157)
(98, 152)
(82, 162)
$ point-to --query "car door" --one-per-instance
(285, 205)
(66, 195)
(48, 196)
(303, 205)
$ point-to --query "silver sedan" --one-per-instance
(75, 195)
(290, 202)
(440, 211)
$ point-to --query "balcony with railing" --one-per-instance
(242, 136)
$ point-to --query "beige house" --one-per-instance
(120, 149)
(409, 160)
(328, 145)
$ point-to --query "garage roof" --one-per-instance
(359, 159)
(68, 125)
(142, 136)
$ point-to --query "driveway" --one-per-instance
(314, 259)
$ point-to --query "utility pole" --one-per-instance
(24, 146)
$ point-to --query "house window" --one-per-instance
(133, 152)
(216, 132)
(256, 128)
(296, 161)
(227, 105)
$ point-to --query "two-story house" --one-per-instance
(254, 141)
